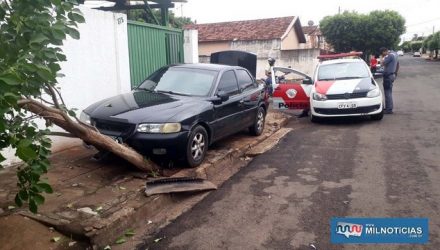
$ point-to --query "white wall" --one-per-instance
(191, 46)
(97, 66)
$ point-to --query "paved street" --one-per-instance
(285, 198)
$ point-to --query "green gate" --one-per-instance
(151, 47)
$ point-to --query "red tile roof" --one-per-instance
(260, 29)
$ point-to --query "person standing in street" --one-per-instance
(373, 64)
(391, 67)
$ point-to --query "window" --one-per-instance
(228, 83)
(345, 70)
(244, 79)
(179, 80)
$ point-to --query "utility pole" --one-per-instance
(339, 10)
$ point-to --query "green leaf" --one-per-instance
(76, 17)
(23, 195)
(120, 240)
(26, 153)
(11, 98)
(39, 199)
(38, 39)
(55, 239)
(10, 79)
(24, 143)
(45, 73)
(129, 233)
(33, 206)
(45, 187)
(18, 200)
(73, 33)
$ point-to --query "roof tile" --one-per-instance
(260, 29)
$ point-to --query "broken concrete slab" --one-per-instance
(177, 185)
(268, 143)
(115, 190)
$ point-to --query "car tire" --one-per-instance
(196, 146)
(314, 119)
(258, 127)
(377, 117)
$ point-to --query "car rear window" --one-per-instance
(185, 81)
(343, 70)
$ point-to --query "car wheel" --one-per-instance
(314, 119)
(377, 117)
(258, 127)
(197, 146)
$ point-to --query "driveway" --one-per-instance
(285, 198)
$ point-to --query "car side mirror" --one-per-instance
(307, 81)
(223, 96)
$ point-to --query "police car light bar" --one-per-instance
(338, 56)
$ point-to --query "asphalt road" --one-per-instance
(285, 198)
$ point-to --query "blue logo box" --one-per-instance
(379, 230)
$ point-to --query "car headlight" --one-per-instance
(373, 93)
(319, 97)
(85, 118)
(159, 128)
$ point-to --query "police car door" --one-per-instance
(291, 88)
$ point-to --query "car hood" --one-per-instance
(345, 86)
(140, 106)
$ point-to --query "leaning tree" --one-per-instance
(31, 35)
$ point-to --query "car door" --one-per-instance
(292, 89)
(249, 96)
(227, 114)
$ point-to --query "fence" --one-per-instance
(151, 47)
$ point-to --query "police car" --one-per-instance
(342, 85)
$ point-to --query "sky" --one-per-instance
(420, 15)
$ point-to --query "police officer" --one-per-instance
(268, 73)
(391, 67)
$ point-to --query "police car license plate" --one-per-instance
(347, 105)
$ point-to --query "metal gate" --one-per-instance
(151, 47)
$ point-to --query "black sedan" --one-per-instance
(181, 109)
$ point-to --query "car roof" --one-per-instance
(206, 66)
(342, 60)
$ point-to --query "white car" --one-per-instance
(340, 87)
(417, 54)
(400, 53)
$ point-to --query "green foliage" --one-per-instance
(406, 46)
(416, 45)
(30, 34)
(432, 42)
(363, 32)
(143, 16)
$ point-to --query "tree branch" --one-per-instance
(63, 134)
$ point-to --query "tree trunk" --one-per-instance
(88, 134)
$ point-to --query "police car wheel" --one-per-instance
(377, 117)
(258, 127)
(314, 119)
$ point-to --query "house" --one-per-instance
(279, 38)
(314, 38)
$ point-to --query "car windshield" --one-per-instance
(180, 81)
(345, 70)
